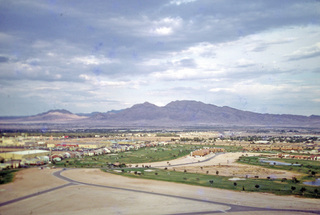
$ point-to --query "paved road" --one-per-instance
(34, 194)
(233, 207)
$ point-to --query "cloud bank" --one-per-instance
(86, 56)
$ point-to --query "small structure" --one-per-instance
(20, 155)
(204, 152)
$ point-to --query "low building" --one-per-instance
(204, 152)
(20, 155)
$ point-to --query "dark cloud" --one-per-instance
(3, 59)
(100, 46)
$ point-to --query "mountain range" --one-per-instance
(175, 114)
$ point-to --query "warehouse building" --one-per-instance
(21, 155)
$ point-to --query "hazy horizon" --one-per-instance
(130, 107)
(86, 56)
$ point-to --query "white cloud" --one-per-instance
(166, 26)
(244, 62)
(305, 52)
(179, 2)
(162, 31)
(91, 60)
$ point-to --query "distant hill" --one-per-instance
(194, 113)
(51, 116)
(175, 114)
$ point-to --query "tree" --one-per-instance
(217, 172)
(295, 180)
(235, 184)
(302, 190)
(293, 188)
(316, 191)
(211, 182)
(257, 186)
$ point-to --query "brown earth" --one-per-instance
(29, 181)
(85, 199)
(225, 164)
(141, 196)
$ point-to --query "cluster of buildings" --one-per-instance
(261, 148)
(300, 157)
(59, 151)
(23, 158)
(206, 151)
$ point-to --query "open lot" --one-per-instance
(92, 191)
(225, 164)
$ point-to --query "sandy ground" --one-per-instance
(140, 196)
(85, 199)
(29, 181)
(225, 164)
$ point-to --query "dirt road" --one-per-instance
(224, 163)
(91, 191)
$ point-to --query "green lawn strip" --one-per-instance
(7, 176)
(147, 155)
(143, 155)
(229, 148)
(252, 185)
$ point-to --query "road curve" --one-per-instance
(232, 207)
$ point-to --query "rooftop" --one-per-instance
(29, 152)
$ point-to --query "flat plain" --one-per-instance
(84, 191)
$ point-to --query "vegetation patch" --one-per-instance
(310, 168)
(7, 176)
(142, 155)
(275, 186)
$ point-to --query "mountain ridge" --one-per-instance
(175, 114)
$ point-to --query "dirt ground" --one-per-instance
(159, 197)
(29, 181)
(225, 164)
(139, 196)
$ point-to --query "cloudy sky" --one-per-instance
(86, 56)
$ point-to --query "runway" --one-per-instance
(135, 194)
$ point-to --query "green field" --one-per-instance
(278, 186)
(142, 155)
(310, 168)
(230, 148)
(6, 176)
(166, 153)
(148, 154)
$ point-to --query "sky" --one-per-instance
(85, 56)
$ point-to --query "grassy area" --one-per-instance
(143, 155)
(6, 176)
(229, 148)
(278, 187)
(148, 154)
(310, 168)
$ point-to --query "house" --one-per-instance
(204, 152)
